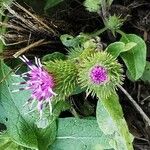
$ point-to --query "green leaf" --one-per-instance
(118, 47)
(68, 40)
(21, 126)
(53, 56)
(79, 134)
(7, 144)
(135, 58)
(2, 113)
(129, 46)
(111, 121)
(74, 42)
(52, 3)
(17, 127)
(146, 75)
(115, 48)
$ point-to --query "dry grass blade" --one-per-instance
(21, 18)
(25, 29)
(35, 18)
(21, 51)
(11, 26)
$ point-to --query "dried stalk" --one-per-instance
(145, 117)
(11, 26)
(24, 28)
(11, 11)
(35, 18)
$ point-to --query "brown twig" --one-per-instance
(142, 102)
(145, 117)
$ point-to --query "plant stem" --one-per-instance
(123, 34)
(145, 117)
(98, 32)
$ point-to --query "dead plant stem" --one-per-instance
(145, 117)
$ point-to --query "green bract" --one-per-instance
(114, 72)
(86, 48)
(114, 23)
(65, 74)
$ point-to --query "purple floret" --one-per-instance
(98, 75)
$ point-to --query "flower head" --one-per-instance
(39, 82)
(100, 73)
(65, 72)
(114, 23)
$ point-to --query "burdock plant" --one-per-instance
(90, 67)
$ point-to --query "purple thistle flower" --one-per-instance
(98, 75)
(40, 82)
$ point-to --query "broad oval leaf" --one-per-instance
(135, 58)
(115, 48)
(80, 134)
(7, 144)
(129, 46)
(111, 121)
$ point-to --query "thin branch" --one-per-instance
(142, 102)
(145, 117)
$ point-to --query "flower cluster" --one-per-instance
(99, 73)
